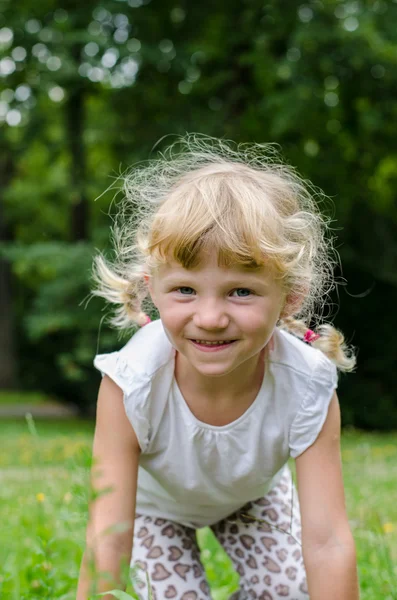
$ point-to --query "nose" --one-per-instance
(211, 314)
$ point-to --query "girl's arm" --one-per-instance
(114, 481)
(328, 546)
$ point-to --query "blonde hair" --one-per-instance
(241, 200)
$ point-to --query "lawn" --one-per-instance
(44, 470)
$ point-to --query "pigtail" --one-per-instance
(326, 338)
(126, 294)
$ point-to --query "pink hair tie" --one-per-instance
(310, 336)
(148, 320)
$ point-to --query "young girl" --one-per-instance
(200, 411)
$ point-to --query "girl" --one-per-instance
(199, 413)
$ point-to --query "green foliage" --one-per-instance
(57, 275)
(218, 565)
(98, 84)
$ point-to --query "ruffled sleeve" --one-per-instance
(312, 413)
(136, 390)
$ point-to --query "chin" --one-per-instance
(213, 374)
(213, 370)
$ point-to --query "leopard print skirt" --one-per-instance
(263, 539)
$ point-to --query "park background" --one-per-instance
(89, 89)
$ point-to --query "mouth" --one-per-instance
(212, 345)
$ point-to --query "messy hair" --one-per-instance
(241, 201)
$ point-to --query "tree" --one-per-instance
(103, 82)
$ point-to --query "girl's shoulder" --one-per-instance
(149, 349)
(140, 359)
(146, 359)
(296, 356)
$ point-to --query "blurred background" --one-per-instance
(88, 89)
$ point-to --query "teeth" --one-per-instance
(210, 343)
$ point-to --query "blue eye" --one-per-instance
(246, 292)
(183, 289)
(237, 293)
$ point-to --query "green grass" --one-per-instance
(44, 470)
(22, 397)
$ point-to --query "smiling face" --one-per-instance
(210, 303)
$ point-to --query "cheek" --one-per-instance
(260, 318)
(172, 314)
(251, 325)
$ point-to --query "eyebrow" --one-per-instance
(251, 278)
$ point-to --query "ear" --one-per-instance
(149, 284)
(292, 305)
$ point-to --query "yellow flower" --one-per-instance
(40, 497)
(388, 527)
(67, 497)
(384, 451)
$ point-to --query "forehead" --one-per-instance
(173, 270)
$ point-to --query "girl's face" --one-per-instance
(217, 304)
